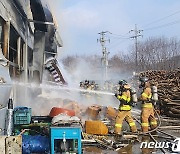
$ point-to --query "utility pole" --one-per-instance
(137, 33)
(104, 59)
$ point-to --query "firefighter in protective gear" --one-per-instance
(121, 85)
(147, 114)
(124, 109)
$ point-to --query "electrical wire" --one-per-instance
(161, 19)
(116, 44)
(119, 36)
(116, 37)
(165, 25)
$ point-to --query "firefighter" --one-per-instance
(147, 115)
(86, 84)
(81, 85)
(92, 85)
(126, 103)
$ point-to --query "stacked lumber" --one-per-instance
(168, 83)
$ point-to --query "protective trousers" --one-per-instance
(119, 120)
(147, 116)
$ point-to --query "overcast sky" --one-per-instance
(80, 21)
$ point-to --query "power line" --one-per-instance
(165, 25)
(117, 37)
(116, 43)
(162, 19)
(119, 34)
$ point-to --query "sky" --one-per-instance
(80, 21)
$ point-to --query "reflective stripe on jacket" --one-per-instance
(146, 96)
(124, 97)
(124, 107)
(147, 105)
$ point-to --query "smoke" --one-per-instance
(84, 70)
(42, 98)
(64, 72)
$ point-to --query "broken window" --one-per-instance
(30, 57)
(21, 54)
(13, 54)
(13, 45)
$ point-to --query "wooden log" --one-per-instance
(173, 114)
(168, 127)
(176, 111)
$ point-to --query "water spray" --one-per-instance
(60, 87)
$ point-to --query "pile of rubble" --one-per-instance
(168, 83)
(98, 126)
(103, 118)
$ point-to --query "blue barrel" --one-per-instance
(35, 144)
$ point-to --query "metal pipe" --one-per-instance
(6, 39)
(41, 22)
(19, 51)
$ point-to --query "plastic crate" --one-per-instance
(22, 115)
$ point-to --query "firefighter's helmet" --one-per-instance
(93, 82)
(122, 82)
(86, 81)
(143, 79)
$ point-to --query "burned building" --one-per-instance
(29, 37)
(28, 41)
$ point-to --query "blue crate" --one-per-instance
(22, 115)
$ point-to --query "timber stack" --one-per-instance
(168, 83)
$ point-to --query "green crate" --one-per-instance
(22, 115)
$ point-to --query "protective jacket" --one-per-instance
(147, 115)
(124, 112)
(124, 99)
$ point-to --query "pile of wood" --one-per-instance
(168, 83)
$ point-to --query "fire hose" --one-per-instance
(153, 130)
